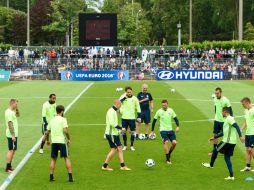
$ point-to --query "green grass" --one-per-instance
(88, 148)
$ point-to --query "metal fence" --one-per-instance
(45, 68)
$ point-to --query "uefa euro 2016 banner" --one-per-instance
(4, 75)
(189, 75)
(80, 75)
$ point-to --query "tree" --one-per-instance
(18, 30)
(132, 29)
(13, 25)
(249, 31)
(64, 17)
(39, 18)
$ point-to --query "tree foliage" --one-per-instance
(64, 14)
(155, 24)
(12, 26)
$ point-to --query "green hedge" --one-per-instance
(222, 44)
(5, 46)
(202, 45)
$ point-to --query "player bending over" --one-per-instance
(112, 135)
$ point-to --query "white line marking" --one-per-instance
(100, 124)
(112, 97)
(179, 99)
(30, 152)
(38, 97)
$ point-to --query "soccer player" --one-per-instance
(112, 135)
(220, 102)
(130, 105)
(227, 145)
(11, 122)
(249, 134)
(165, 116)
(58, 130)
(48, 112)
(146, 105)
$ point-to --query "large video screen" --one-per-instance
(97, 29)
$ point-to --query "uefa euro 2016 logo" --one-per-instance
(121, 75)
(68, 75)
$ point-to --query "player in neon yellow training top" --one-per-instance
(166, 116)
(48, 112)
(227, 145)
(249, 134)
(11, 123)
(112, 135)
(220, 102)
(130, 106)
(60, 139)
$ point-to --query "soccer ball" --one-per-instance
(213, 95)
(141, 136)
(173, 90)
(152, 136)
(150, 163)
(119, 89)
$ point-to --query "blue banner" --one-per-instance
(4, 75)
(189, 75)
(80, 75)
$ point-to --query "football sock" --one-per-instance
(70, 177)
(8, 166)
(146, 135)
(248, 165)
(229, 165)
(105, 165)
(125, 139)
(214, 156)
(42, 144)
(51, 177)
(171, 149)
(122, 164)
(168, 157)
(132, 139)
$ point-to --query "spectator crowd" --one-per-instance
(237, 63)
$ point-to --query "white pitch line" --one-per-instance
(111, 97)
(9, 179)
(42, 97)
(158, 98)
(103, 124)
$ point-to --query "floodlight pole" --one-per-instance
(137, 26)
(28, 24)
(8, 4)
(179, 34)
(190, 23)
(240, 27)
(132, 7)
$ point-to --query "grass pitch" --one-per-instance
(192, 103)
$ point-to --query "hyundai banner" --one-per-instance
(4, 75)
(189, 75)
(80, 75)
